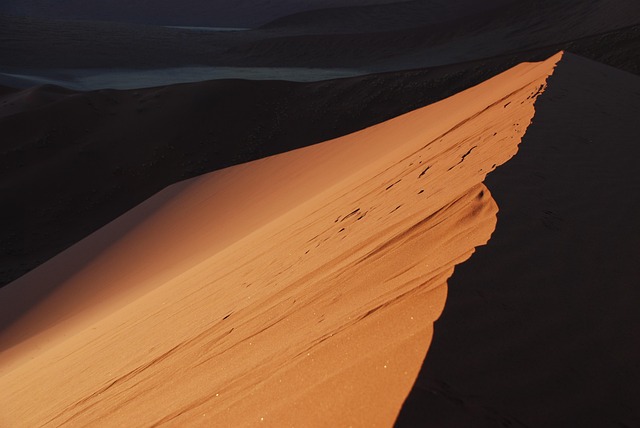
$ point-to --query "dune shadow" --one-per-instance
(540, 326)
(24, 294)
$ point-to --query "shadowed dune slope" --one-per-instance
(541, 325)
(297, 288)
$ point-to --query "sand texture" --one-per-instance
(296, 290)
(73, 161)
(541, 326)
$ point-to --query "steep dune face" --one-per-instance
(541, 325)
(299, 288)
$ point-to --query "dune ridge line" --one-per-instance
(297, 289)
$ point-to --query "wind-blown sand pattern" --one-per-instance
(296, 290)
(547, 311)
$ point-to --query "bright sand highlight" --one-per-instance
(297, 290)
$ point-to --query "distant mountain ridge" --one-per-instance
(384, 17)
(223, 13)
(368, 39)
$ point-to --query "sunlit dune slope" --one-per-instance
(293, 290)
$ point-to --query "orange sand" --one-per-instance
(297, 290)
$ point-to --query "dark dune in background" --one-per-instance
(223, 13)
(4, 90)
(541, 324)
(388, 41)
(82, 44)
(385, 17)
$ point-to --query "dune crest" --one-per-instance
(300, 288)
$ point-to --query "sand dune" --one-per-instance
(78, 146)
(76, 143)
(541, 325)
(296, 289)
(68, 156)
